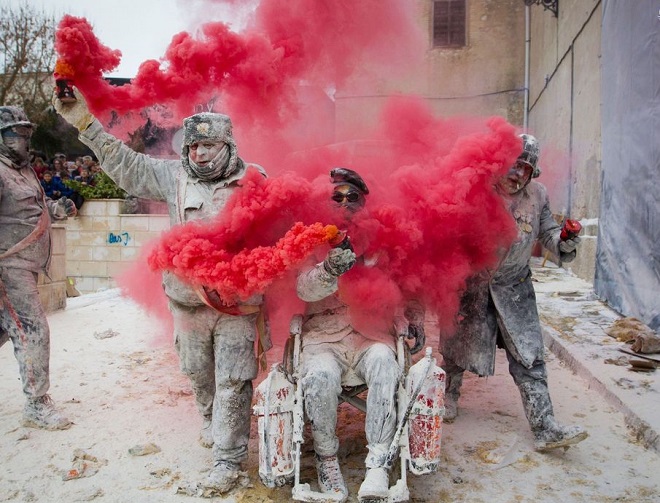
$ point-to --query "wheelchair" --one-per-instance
(279, 407)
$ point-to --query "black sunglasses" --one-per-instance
(351, 197)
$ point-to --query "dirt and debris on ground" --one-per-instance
(127, 391)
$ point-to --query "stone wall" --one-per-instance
(483, 78)
(101, 242)
(564, 113)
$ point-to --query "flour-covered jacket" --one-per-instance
(327, 317)
(504, 300)
(24, 208)
(164, 180)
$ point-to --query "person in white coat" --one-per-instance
(215, 345)
(332, 348)
(25, 251)
(499, 308)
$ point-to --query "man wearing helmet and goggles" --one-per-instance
(333, 349)
(25, 251)
(215, 345)
(498, 308)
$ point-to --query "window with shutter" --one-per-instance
(449, 23)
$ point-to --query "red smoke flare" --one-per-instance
(240, 276)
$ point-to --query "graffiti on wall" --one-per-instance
(121, 238)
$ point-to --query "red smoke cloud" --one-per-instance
(256, 74)
(432, 220)
(432, 217)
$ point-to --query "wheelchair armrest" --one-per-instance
(295, 327)
(289, 356)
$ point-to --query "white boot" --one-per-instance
(548, 433)
(41, 413)
(226, 476)
(554, 435)
(206, 433)
(375, 487)
(329, 475)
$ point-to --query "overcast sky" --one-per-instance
(140, 29)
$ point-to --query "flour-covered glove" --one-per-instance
(416, 333)
(569, 245)
(67, 206)
(76, 113)
(339, 261)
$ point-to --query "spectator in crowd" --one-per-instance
(56, 167)
(95, 168)
(62, 173)
(39, 167)
(86, 178)
(73, 170)
(54, 187)
(61, 157)
(88, 162)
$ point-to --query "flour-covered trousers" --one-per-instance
(22, 316)
(216, 352)
(322, 368)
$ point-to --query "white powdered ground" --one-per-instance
(124, 391)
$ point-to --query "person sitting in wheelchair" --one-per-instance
(333, 349)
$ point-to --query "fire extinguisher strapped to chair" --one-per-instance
(426, 411)
(277, 401)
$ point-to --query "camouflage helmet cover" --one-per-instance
(13, 116)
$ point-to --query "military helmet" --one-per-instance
(530, 153)
(13, 116)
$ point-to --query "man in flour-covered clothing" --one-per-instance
(215, 347)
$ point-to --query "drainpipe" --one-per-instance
(527, 44)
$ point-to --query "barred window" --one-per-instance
(449, 23)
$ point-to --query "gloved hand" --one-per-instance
(76, 113)
(417, 333)
(569, 245)
(339, 261)
(68, 206)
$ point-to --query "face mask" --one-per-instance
(216, 168)
(19, 146)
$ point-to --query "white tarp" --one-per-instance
(628, 257)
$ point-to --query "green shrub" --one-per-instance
(104, 188)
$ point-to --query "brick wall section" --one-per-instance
(101, 242)
(52, 288)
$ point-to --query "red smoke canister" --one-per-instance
(571, 229)
(64, 90)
